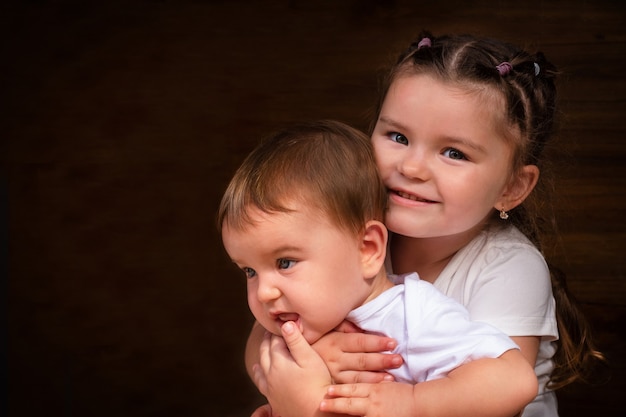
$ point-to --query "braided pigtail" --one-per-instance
(576, 357)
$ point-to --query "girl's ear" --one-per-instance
(517, 191)
(373, 248)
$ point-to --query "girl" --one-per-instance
(458, 139)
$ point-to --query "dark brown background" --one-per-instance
(126, 119)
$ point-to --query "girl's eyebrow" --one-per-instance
(392, 123)
(470, 144)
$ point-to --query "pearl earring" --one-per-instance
(503, 214)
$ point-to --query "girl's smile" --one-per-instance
(401, 197)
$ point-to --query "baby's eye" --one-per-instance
(250, 273)
(399, 137)
(285, 263)
(454, 154)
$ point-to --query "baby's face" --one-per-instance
(299, 267)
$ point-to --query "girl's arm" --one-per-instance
(294, 378)
(529, 345)
(485, 387)
(252, 347)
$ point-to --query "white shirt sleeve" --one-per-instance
(504, 281)
(514, 294)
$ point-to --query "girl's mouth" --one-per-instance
(411, 197)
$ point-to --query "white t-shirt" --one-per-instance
(502, 279)
(434, 333)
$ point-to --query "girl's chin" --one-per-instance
(403, 227)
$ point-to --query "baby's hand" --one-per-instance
(370, 400)
(353, 356)
(290, 374)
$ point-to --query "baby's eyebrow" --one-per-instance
(286, 248)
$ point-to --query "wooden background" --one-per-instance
(124, 121)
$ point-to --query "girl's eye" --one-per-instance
(399, 137)
(250, 273)
(285, 263)
(454, 154)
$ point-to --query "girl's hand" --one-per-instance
(290, 374)
(370, 400)
(353, 356)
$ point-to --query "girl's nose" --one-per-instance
(414, 166)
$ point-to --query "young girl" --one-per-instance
(458, 140)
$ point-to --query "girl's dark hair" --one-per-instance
(525, 84)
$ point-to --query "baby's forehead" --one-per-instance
(252, 215)
(294, 206)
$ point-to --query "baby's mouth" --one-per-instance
(288, 317)
(283, 318)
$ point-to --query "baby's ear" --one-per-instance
(373, 248)
(520, 187)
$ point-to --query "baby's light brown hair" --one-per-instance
(326, 165)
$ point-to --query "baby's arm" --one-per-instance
(486, 387)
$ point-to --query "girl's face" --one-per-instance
(300, 268)
(441, 156)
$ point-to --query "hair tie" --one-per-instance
(537, 69)
(424, 43)
(504, 68)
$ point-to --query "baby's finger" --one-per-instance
(278, 346)
(300, 349)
